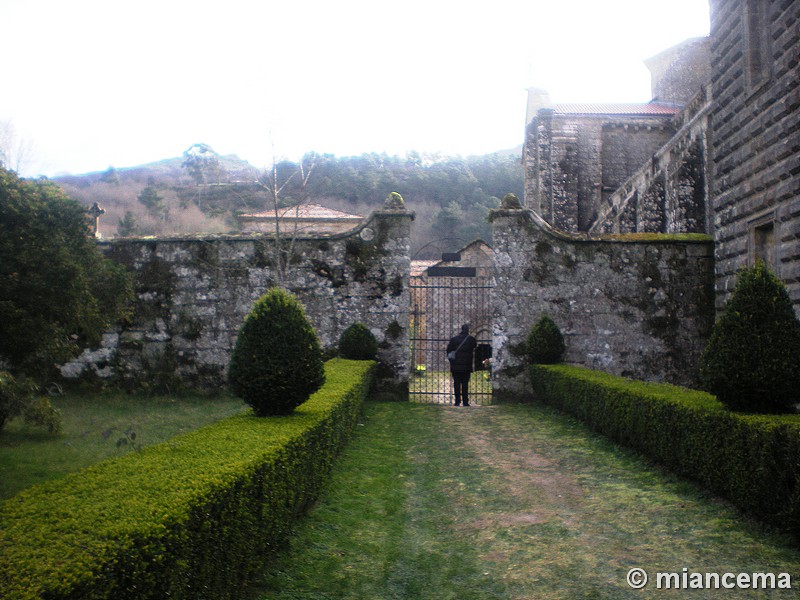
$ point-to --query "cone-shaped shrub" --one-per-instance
(277, 361)
(752, 361)
(545, 344)
(358, 343)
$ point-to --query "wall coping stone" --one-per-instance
(253, 237)
(614, 238)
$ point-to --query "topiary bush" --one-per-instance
(277, 361)
(752, 360)
(358, 343)
(545, 344)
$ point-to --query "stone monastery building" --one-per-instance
(635, 221)
(716, 151)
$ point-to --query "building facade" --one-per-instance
(716, 151)
(755, 125)
(576, 155)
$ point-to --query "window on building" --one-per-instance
(763, 244)
(756, 42)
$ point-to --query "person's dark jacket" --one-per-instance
(463, 361)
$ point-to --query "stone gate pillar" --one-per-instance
(389, 230)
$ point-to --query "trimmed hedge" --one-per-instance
(752, 460)
(193, 517)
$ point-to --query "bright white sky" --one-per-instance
(91, 84)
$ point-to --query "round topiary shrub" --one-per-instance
(358, 343)
(752, 360)
(277, 361)
(545, 344)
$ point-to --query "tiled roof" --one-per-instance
(637, 109)
(304, 211)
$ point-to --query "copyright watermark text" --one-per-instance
(687, 579)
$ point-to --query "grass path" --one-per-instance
(509, 502)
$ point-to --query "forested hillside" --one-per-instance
(203, 192)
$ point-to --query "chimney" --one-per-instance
(537, 99)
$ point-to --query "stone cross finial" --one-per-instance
(95, 213)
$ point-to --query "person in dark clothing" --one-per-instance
(463, 345)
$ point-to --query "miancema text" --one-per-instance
(708, 581)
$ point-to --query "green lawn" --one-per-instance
(509, 501)
(91, 426)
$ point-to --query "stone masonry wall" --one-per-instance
(668, 193)
(755, 49)
(575, 161)
(638, 306)
(193, 294)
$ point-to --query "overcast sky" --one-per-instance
(93, 84)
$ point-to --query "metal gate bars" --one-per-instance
(439, 306)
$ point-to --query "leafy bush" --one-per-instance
(57, 291)
(277, 361)
(752, 361)
(753, 460)
(358, 343)
(20, 398)
(193, 517)
(545, 344)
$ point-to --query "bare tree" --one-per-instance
(275, 183)
(15, 153)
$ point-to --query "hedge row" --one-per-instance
(190, 518)
(752, 460)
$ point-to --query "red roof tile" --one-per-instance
(304, 211)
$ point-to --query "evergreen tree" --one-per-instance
(57, 292)
(127, 225)
(752, 361)
(152, 200)
(545, 344)
(277, 361)
(358, 343)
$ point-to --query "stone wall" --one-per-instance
(755, 48)
(678, 72)
(637, 305)
(574, 161)
(193, 294)
(668, 193)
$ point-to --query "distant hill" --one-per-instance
(167, 169)
(451, 195)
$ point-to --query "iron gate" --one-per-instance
(440, 304)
